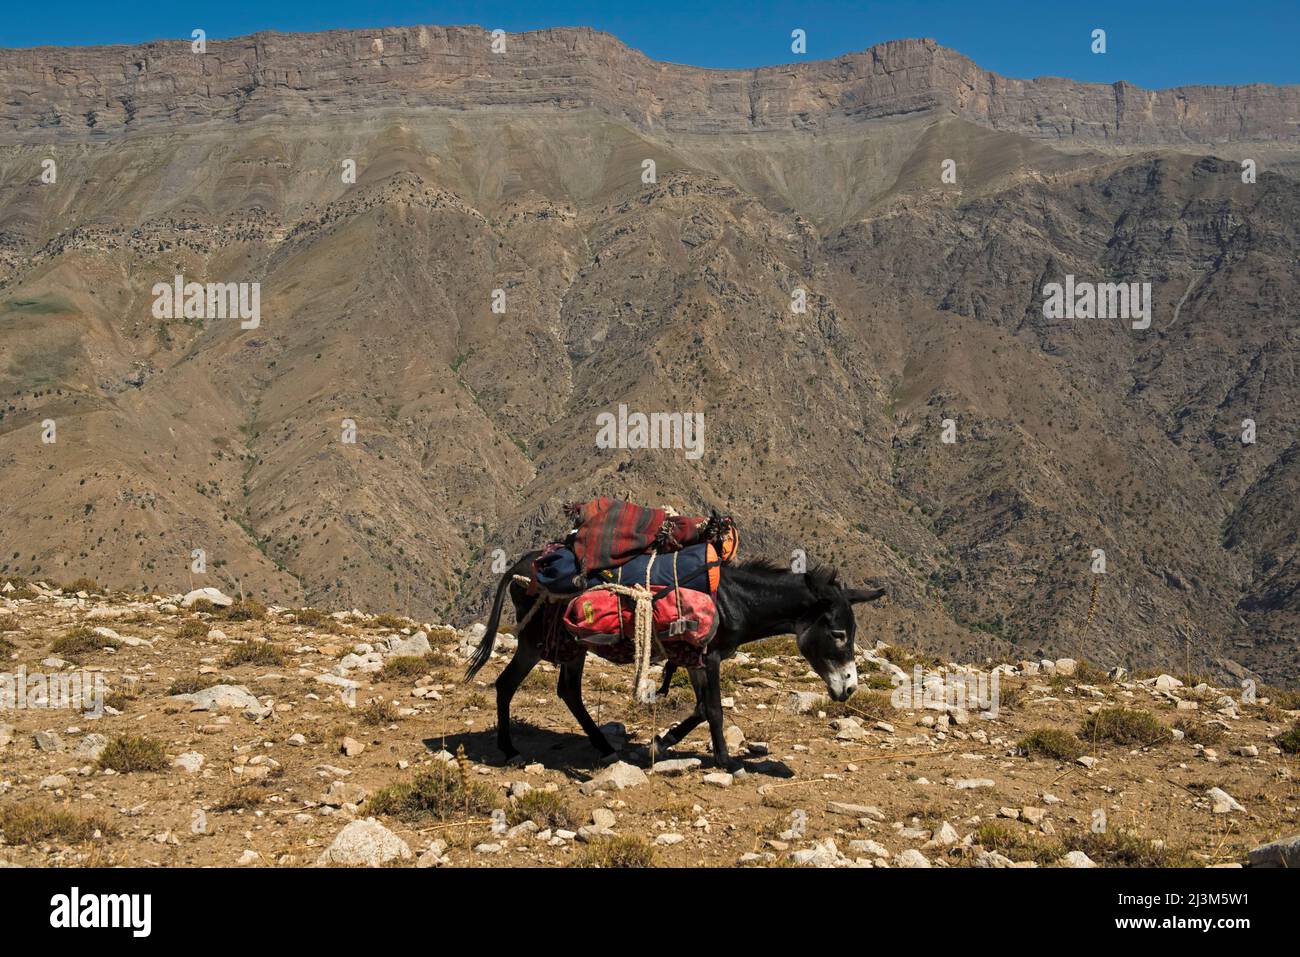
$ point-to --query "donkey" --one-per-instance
(756, 599)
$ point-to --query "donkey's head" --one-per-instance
(825, 632)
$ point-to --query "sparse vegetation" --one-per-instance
(316, 619)
(1196, 732)
(459, 796)
(192, 628)
(127, 754)
(378, 711)
(621, 851)
(1053, 743)
(404, 666)
(1017, 842)
(32, 822)
(1010, 696)
(246, 609)
(544, 808)
(867, 705)
(444, 791)
(1085, 672)
(1124, 726)
(254, 653)
(1281, 698)
(189, 684)
(778, 646)
(242, 799)
(117, 700)
(1289, 741)
(81, 641)
(1117, 847)
(88, 585)
(908, 659)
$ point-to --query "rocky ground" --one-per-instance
(241, 735)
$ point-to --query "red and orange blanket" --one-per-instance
(619, 552)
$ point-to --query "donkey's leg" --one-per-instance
(685, 727)
(669, 670)
(526, 656)
(569, 688)
(712, 701)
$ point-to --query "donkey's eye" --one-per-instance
(841, 635)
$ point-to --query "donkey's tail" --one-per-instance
(484, 650)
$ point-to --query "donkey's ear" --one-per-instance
(857, 596)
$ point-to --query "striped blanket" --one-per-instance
(610, 532)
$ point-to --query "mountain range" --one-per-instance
(464, 257)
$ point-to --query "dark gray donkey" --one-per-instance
(756, 599)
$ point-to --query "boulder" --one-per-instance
(1222, 801)
(417, 646)
(911, 858)
(190, 762)
(1076, 859)
(675, 766)
(616, 777)
(224, 698)
(802, 702)
(207, 594)
(1280, 853)
(364, 843)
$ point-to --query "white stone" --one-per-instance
(190, 762)
(210, 594)
(911, 858)
(365, 843)
(1076, 859)
(1224, 803)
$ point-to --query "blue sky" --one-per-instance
(1153, 43)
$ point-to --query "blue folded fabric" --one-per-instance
(557, 571)
(692, 570)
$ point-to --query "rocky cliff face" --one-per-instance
(101, 91)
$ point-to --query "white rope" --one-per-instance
(542, 599)
(643, 688)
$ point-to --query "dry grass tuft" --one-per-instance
(1051, 743)
(621, 851)
(544, 808)
(440, 793)
(33, 822)
(254, 653)
(81, 641)
(1124, 726)
(127, 754)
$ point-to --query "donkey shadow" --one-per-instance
(554, 750)
(571, 752)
